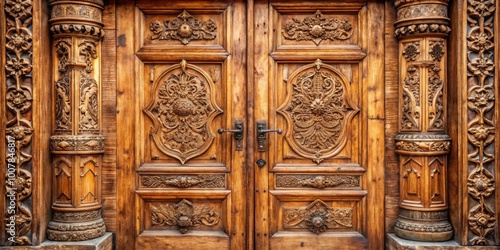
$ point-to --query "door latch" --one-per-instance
(237, 133)
(261, 135)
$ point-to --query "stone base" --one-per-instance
(393, 242)
(104, 242)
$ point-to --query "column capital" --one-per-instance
(418, 17)
(82, 17)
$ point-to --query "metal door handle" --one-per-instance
(237, 132)
(261, 135)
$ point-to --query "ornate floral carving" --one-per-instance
(77, 216)
(318, 28)
(184, 215)
(423, 146)
(421, 18)
(318, 217)
(63, 88)
(411, 89)
(19, 129)
(321, 181)
(182, 109)
(317, 109)
(183, 181)
(67, 143)
(481, 122)
(184, 28)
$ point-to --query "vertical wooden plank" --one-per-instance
(126, 114)
(261, 78)
(375, 124)
(41, 121)
(250, 135)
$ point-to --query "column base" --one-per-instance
(76, 226)
(423, 226)
(104, 242)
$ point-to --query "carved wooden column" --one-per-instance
(422, 28)
(77, 144)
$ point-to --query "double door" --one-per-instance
(250, 125)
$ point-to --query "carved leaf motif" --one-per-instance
(183, 215)
(317, 111)
(318, 217)
(182, 109)
(202, 181)
(317, 29)
(184, 28)
(337, 181)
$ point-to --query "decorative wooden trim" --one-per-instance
(184, 181)
(481, 123)
(76, 145)
(317, 181)
(422, 143)
(19, 128)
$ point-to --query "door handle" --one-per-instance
(261, 135)
(237, 133)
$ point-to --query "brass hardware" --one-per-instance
(261, 135)
(237, 132)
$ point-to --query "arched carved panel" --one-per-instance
(317, 109)
(182, 108)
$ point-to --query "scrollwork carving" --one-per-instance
(182, 109)
(183, 181)
(184, 215)
(317, 29)
(332, 181)
(318, 217)
(184, 28)
(317, 110)
(19, 126)
(481, 123)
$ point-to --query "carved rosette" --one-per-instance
(317, 110)
(17, 198)
(182, 108)
(77, 144)
(184, 215)
(481, 123)
(183, 28)
(317, 29)
(422, 143)
(318, 217)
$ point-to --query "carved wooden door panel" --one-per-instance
(319, 79)
(177, 65)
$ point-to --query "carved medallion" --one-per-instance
(183, 215)
(184, 28)
(317, 29)
(318, 217)
(182, 108)
(320, 181)
(183, 181)
(317, 110)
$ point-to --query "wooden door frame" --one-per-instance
(127, 155)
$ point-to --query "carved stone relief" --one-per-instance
(184, 181)
(317, 29)
(184, 215)
(317, 110)
(19, 128)
(320, 181)
(481, 123)
(182, 108)
(184, 28)
(317, 217)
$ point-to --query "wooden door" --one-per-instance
(319, 78)
(187, 69)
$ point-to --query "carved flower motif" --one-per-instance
(481, 132)
(411, 52)
(18, 66)
(437, 52)
(317, 221)
(19, 132)
(481, 98)
(18, 8)
(18, 100)
(481, 222)
(481, 66)
(19, 42)
(481, 8)
(478, 41)
(481, 184)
